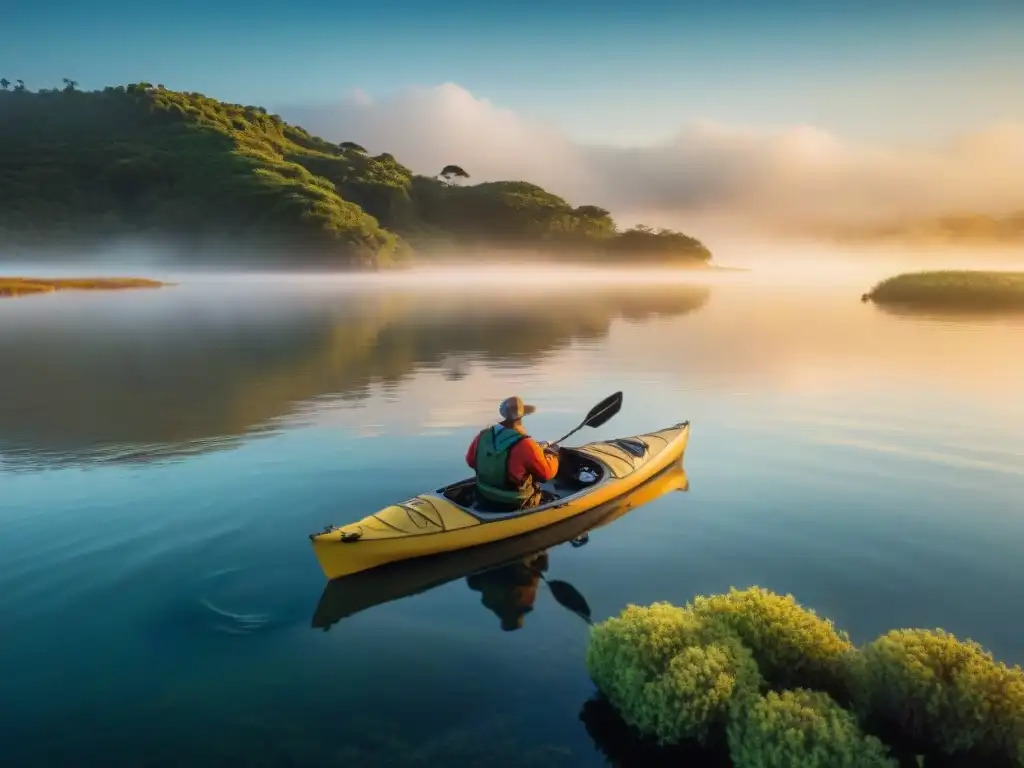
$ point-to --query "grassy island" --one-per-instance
(209, 178)
(24, 286)
(952, 289)
(754, 680)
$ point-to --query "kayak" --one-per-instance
(448, 519)
(358, 592)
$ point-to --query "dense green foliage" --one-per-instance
(953, 289)
(802, 728)
(792, 645)
(673, 673)
(84, 167)
(670, 674)
(942, 694)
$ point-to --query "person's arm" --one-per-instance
(471, 453)
(538, 462)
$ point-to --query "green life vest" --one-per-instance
(492, 455)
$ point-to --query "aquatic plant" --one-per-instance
(679, 674)
(943, 695)
(792, 645)
(621, 745)
(805, 728)
(670, 673)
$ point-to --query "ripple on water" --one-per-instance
(228, 602)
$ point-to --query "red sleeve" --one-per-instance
(471, 453)
(543, 466)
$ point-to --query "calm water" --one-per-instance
(163, 456)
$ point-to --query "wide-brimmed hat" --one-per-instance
(514, 408)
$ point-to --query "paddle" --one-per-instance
(598, 415)
(569, 597)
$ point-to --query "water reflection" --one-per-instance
(128, 381)
(621, 746)
(994, 316)
(506, 573)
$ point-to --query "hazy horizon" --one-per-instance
(740, 260)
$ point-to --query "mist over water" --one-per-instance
(164, 454)
(739, 259)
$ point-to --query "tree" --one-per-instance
(351, 146)
(69, 85)
(592, 212)
(452, 170)
(20, 86)
(5, 83)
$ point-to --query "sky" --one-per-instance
(841, 104)
(626, 73)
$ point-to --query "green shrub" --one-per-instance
(801, 728)
(793, 646)
(967, 289)
(943, 694)
(670, 673)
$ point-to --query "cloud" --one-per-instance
(785, 179)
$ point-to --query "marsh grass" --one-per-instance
(12, 287)
(952, 289)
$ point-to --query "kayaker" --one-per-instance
(509, 463)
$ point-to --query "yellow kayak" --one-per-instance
(447, 519)
(351, 594)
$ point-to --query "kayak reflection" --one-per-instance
(507, 573)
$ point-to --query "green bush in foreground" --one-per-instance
(670, 673)
(792, 645)
(696, 673)
(944, 694)
(802, 728)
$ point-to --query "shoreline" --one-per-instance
(17, 287)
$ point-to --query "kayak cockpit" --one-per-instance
(576, 473)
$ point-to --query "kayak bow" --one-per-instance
(448, 519)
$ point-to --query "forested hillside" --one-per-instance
(81, 168)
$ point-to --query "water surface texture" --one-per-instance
(164, 454)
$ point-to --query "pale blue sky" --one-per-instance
(629, 72)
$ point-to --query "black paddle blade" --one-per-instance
(569, 597)
(604, 410)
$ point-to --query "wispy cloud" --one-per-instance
(778, 179)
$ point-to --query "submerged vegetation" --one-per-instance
(182, 168)
(952, 289)
(24, 286)
(757, 677)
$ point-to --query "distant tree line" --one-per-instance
(147, 160)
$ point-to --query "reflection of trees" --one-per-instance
(952, 314)
(76, 384)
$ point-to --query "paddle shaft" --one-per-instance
(598, 415)
(566, 436)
